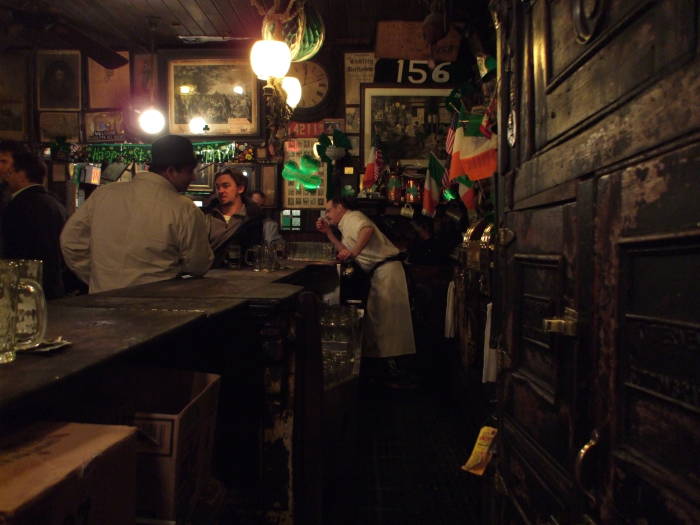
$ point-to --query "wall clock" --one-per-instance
(315, 90)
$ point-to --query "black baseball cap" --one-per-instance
(172, 150)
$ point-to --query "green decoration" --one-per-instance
(208, 152)
(304, 173)
(449, 195)
(304, 33)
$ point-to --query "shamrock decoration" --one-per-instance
(325, 144)
(304, 174)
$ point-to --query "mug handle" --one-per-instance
(37, 292)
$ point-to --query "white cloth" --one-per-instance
(389, 328)
(136, 233)
(490, 371)
(450, 311)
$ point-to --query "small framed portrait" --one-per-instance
(144, 75)
(54, 125)
(13, 98)
(204, 178)
(109, 88)
(104, 126)
(221, 91)
(58, 80)
(352, 119)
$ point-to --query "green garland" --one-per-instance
(219, 151)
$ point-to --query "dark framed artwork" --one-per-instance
(204, 177)
(109, 88)
(55, 125)
(222, 91)
(352, 119)
(58, 80)
(409, 122)
(144, 75)
(13, 98)
(104, 126)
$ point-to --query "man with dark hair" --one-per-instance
(271, 229)
(33, 219)
(142, 231)
(389, 328)
(231, 217)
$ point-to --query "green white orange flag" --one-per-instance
(473, 154)
(466, 192)
(433, 185)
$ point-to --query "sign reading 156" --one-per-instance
(419, 72)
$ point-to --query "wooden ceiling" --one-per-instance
(129, 24)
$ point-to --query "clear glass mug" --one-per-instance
(255, 257)
(23, 315)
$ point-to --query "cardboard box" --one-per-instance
(58, 473)
(177, 420)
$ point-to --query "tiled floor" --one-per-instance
(410, 446)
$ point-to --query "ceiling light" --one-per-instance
(292, 87)
(152, 121)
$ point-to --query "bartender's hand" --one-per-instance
(345, 254)
(322, 225)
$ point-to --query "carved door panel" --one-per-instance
(599, 188)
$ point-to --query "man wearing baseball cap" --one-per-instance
(142, 231)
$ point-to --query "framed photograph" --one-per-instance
(58, 80)
(104, 126)
(409, 122)
(55, 125)
(204, 177)
(144, 74)
(352, 119)
(355, 143)
(13, 101)
(109, 88)
(222, 91)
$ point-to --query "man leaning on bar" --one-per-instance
(143, 231)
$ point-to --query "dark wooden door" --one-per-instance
(599, 258)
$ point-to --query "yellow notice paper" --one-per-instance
(481, 455)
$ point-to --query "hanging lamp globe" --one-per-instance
(270, 59)
(292, 87)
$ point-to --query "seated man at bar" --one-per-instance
(33, 218)
(389, 328)
(142, 231)
(271, 229)
(233, 220)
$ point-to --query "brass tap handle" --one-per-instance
(585, 449)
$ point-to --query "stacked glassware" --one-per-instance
(341, 343)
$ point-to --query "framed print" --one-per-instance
(352, 119)
(222, 91)
(55, 125)
(58, 80)
(104, 126)
(204, 177)
(13, 101)
(144, 74)
(359, 69)
(409, 122)
(355, 143)
(108, 88)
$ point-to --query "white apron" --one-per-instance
(388, 331)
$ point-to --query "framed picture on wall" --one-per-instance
(54, 125)
(58, 80)
(409, 122)
(104, 126)
(144, 75)
(352, 119)
(221, 91)
(109, 88)
(13, 101)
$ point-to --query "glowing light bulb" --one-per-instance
(152, 121)
(197, 125)
(292, 87)
(185, 90)
(270, 58)
(238, 90)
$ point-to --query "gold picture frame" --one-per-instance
(222, 91)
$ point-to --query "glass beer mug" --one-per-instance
(23, 315)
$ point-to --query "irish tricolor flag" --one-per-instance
(473, 154)
(433, 186)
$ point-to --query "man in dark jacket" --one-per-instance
(33, 219)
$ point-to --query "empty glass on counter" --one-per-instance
(255, 257)
(22, 307)
(340, 343)
(232, 258)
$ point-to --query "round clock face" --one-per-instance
(314, 85)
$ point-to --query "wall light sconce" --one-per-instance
(292, 87)
(152, 121)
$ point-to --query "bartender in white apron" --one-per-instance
(389, 330)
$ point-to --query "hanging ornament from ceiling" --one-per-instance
(303, 31)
